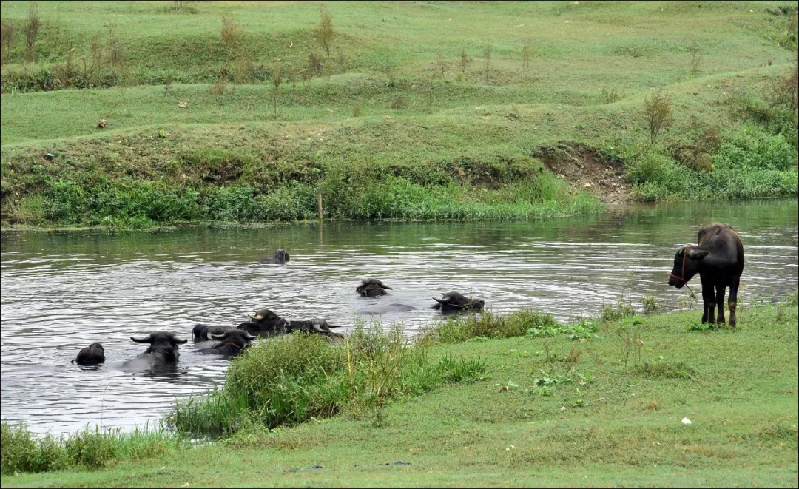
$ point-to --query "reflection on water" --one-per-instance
(62, 291)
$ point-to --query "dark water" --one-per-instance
(62, 291)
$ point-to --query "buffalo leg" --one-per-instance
(709, 298)
(733, 301)
(720, 290)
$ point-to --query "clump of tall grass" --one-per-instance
(291, 379)
(461, 328)
(24, 452)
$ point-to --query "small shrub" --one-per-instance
(620, 311)
(696, 58)
(184, 6)
(324, 32)
(441, 65)
(315, 64)
(220, 85)
(573, 356)
(398, 102)
(31, 31)
(651, 305)
(465, 61)
(277, 79)
(6, 40)
(609, 96)
(487, 55)
(526, 58)
(243, 68)
(356, 109)
(631, 341)
(783, 90)
(232, 35)
(657, 112)
(697, 325)
(116, 56)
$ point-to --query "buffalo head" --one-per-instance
(163, 345)
(281, 256)
(455, 301)
(686, 265)
(371, 287)
(91, 355)
(231, 343)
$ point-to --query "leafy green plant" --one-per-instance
(630, 339)
(609, 96)
(657, 112)
(651, 305)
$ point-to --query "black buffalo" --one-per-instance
(315, 325)
(91, 355)
(231, 343)
(719, 261)
(265, 322)
(371, 287)
(456, 302)
(163, 350)
(202, 331)
(281, 256)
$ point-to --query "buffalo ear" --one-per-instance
(697, 254)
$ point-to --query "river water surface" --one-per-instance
(62, 291)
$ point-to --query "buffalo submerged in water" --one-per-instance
(719, 261)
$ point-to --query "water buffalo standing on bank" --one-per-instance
(455, 302)
(371, 287)
(202, 331)
(163, 350)
(281, 256)
(91, 355)
(231, 343)
(719, 261)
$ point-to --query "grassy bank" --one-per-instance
(400, 118)
(594, 402)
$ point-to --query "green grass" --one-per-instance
(290, 380)
(552, 411)
(460, 145)
(22, 452)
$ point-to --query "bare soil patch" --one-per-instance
(588, 169)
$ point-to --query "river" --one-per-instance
(62, 291)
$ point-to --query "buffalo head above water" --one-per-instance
(163, 347)
(281, 256)
(455, 301)
(231, 343)
(91, 355)
(371, 287)
(202, 331)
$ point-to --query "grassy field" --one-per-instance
(601, 409)
(403, 105)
